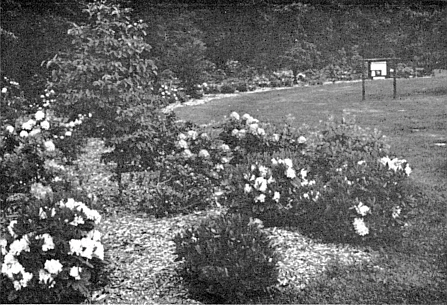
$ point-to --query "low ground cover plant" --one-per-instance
(227, 256)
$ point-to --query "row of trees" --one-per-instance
(191, 42)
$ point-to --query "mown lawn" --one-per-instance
(139, 245)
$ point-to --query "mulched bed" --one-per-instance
(141, 252)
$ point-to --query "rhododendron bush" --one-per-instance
(51, 253)
(184, 178)
(341, 185)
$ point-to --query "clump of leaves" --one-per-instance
(227, 256)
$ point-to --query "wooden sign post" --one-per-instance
(379, 68)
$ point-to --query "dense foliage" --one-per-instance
(228, 256)
(193, 43)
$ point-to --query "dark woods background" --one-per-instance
(193, 38)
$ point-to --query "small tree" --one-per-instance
(300, 56)
(107, 75)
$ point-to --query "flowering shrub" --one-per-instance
(247, 136)
(270, 190)
(363, 193)
(184, 178)
(228, 256)
(340, 186)
(51, 253)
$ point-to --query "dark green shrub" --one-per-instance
(227, 88)
(275, 83)
(288, 82)
(242, 87)
(228, 256)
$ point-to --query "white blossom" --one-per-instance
(362, 209)
(260, 198)
(28, 125)
(45, 125)
(39, 115)
(75, 272)
(77, 221)
(11, 228)
(48, 243)
(235, 116)
(247, 188)
(23, 134)
(263, 171)
(276, 196)
(187, 153)
(302, 140)
(34, 132)
(396, 212)
(360, 227)
(203, 153)
(3, 244)
(19, 245)
(192, 134)
(53, 266)
(290, 173)
(182, 144)
(45, 277)
(10, 128)
(408, 170)
(261, 184)
(225, 147)
(49, 145)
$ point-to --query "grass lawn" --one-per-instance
(141, 254)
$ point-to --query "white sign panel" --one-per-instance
(378, 68)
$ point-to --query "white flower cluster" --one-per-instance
(396, 212)
(88, 246)
(360, 227)
(290, 172)
(260, 184)
(48, 243)
(250, 122)
(51, 269)
(32, 127)
(81, 207)
(362, 209)
(11, 267)
(203, 153)
(396, 164)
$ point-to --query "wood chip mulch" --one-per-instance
(140, 250)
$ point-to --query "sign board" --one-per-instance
(378, 69)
